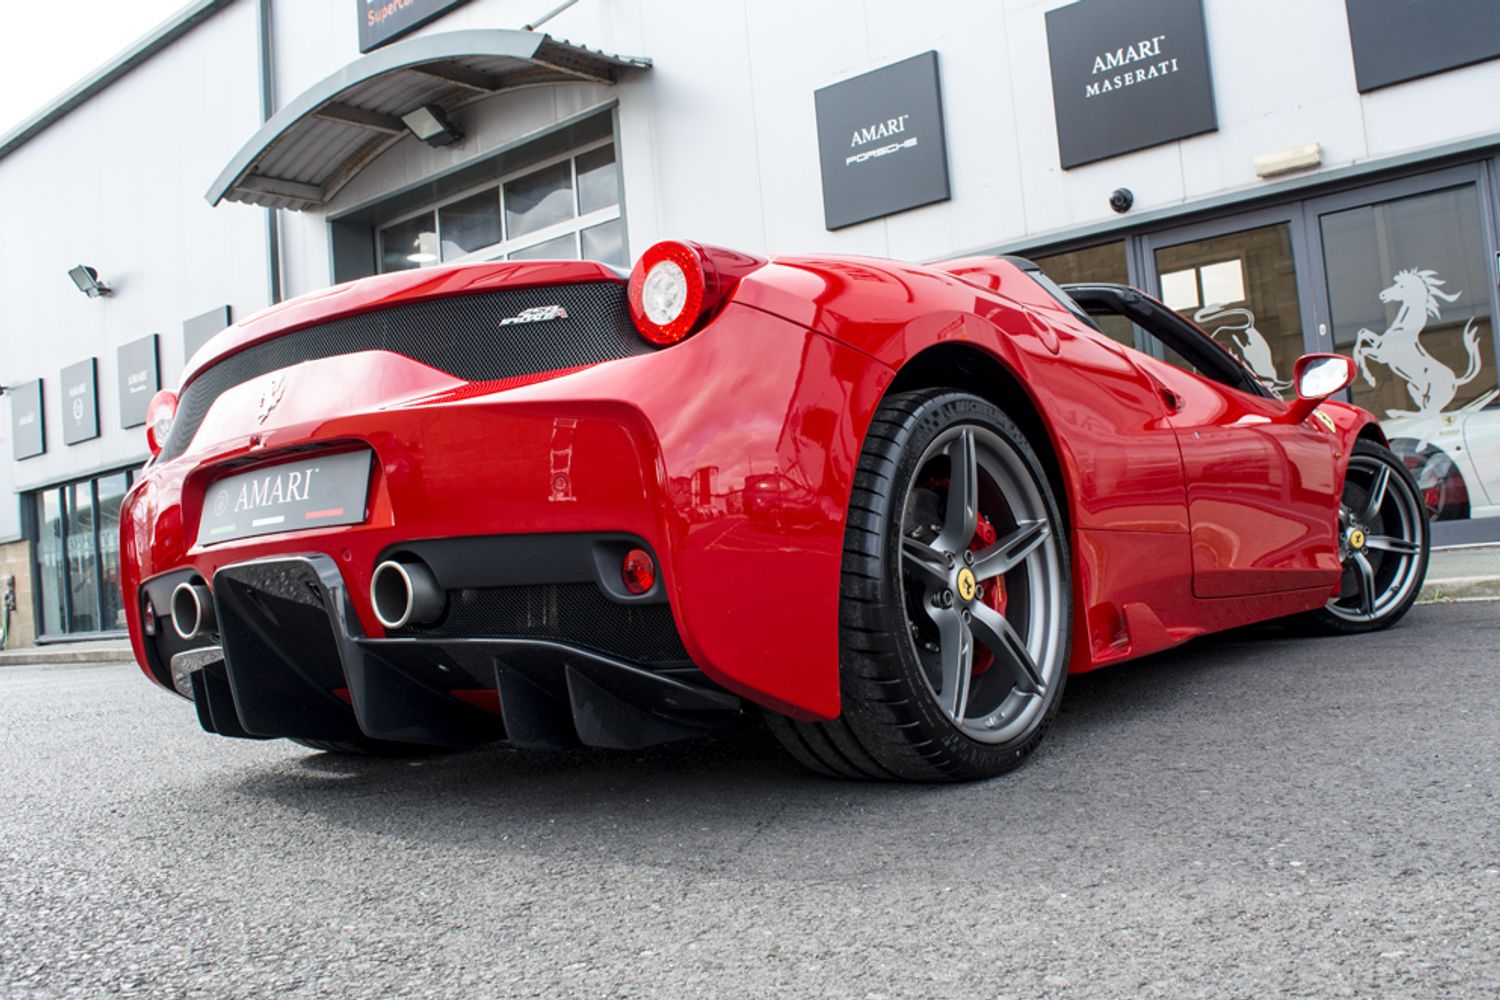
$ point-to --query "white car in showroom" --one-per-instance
(1455, 457)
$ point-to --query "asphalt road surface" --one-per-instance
(1252, 816)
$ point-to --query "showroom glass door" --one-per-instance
(1406, 287)
(1240, 280)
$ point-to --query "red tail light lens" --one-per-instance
(676, 287)
(638, 571)
(160, 413)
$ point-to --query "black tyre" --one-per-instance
(1384, 543)
(955, 607)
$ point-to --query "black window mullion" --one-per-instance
(98, 560)
(64, 513)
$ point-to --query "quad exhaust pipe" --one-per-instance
(404, 592)
(192, 610)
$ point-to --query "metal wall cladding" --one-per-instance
(463, 336)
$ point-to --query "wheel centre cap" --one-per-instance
(1356, 538)
(967, 585)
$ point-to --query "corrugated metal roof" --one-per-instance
(322, 138)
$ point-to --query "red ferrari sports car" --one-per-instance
(892, 505)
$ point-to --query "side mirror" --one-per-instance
(1318, 376)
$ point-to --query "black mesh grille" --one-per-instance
(460, 335)
(574, 613)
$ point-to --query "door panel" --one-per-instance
(1262, 494)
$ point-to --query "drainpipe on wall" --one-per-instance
(267, 109)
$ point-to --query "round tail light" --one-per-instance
(676, 287)
(160, 413)
(638, 571)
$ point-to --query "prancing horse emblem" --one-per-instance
(269, 397)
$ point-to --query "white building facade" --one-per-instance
(1296, 175)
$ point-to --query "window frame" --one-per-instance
(36, 523)
(503, 249)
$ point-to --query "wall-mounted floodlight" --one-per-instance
(87, 280)
(432, 126)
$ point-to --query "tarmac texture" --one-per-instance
(1256, 815)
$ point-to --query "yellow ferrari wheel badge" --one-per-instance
(1356, 539)
(967, 585)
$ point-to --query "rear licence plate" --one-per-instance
(308, 493)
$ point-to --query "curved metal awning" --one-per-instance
(311, 148)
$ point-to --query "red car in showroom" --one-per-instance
(892, 505)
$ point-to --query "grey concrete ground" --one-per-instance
(1253, 816)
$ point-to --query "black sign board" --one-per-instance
(140, 377)
(197, 331)
(880, 137)
(80, 399)
(1126, 76)
(27, 427)
(1397, 40)
(380, 21)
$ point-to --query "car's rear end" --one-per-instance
(481, 503)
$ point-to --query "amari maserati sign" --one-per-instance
(881, 142)
(381, 21)
(1127, 76)
(1398, 40)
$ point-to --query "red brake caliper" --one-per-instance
(994, 595)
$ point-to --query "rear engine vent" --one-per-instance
(461, 335)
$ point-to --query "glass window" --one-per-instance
(111, 493)
(1409, 294)
(471, 224)
(78, 556)
(605, 243)
(49, 557)
(538, 200)
(575, 199)
(1242, 289)
(561, 248)
(409, 244)
(598, 180)
(1104, 263)
(83, 560)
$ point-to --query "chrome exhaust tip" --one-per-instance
(192, 610)
(405, 593)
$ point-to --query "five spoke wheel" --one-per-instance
(1383, 539)
(955, 608)
(980, 566)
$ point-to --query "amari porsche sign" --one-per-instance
(881, 141)
(1126, 76)
(381, 21)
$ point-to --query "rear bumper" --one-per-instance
(291, 661)
(729, 456)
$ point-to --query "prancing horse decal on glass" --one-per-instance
(1431, 383)
(1249, 344)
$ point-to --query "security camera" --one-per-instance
(1120, 199)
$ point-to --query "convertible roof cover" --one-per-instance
(313, 146)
